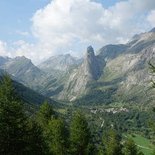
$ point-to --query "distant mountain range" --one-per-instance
(116, 73)
(60, 62)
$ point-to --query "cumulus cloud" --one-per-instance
(36, 52)
(72, 25)
(3, 49)
(151, 18)
(63, 24)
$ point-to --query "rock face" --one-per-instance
(3, 60)
(153, 30)
(90, 67)
(23, 70)
(57, 69)
(117, 73)
(111, 51)
(130, 67)
(78, 82)
(59, 63)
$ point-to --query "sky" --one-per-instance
(39, 29)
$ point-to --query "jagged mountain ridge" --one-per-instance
(59, 63)
(47, 81)
(79, 79)
(116, 72)
(124, 75)
(57, 69)
(23, 70)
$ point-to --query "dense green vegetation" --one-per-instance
(94, 131)
(143, 143)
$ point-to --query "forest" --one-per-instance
(44, 130)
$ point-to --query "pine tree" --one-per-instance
(13, 122)
(130, 148)
(111, 142)
(36, 139)
(56, 137)
(7, 91)
(45, 114)
(79, 134)
(44, 117)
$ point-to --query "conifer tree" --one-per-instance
(13, 122)
(56, 137)
(112, 143)
(79, 134)
(36, 139)
(130, 148)
(45, 114)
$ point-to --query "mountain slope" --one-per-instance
(59, 63)
(124, 76)
(118, 73)
(23, 70)
(28, 95)
(57, 69)
(3, 60)
(89, 71)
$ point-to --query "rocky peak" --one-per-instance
(91, 65)
(60, 63)
(22, 59)
(79, 80)
(153, 30)
(90, 52)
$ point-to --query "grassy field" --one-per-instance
(143, 144)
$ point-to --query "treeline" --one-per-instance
(47, 133)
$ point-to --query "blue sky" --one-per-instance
(15, 15)
(41, 28)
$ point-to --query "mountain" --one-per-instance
(3, 60)
(29, 96)
(59, 63)
(89, 71)
(118, 73)
(111, 51)
(57, 69)
(153, 30)
(23, 70)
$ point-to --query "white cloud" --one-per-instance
(3, 49)
(71, 25)
(61, 24)
(36, 52)
(151, 18)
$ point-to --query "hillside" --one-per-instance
(114, 73)
(28, 95)
(124, 76)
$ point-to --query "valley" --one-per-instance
(115, 73)
(77, 77)
(111, 86)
